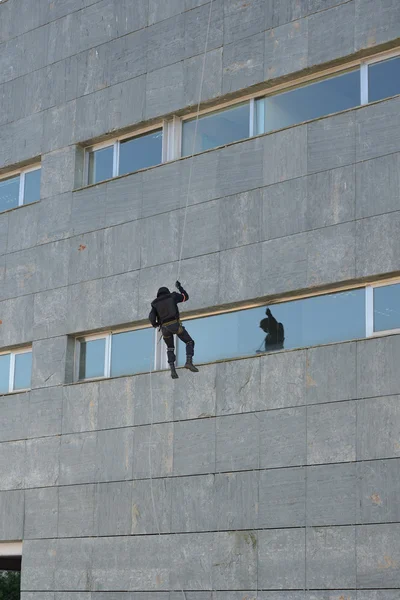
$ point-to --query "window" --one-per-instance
(124, 156)
(115, 354)
(386, 307)
(19, 189)
(15, 370)
(216, 129)
(384, 79)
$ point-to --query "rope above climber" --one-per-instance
(165, 315)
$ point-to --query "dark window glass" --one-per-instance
(132, 352)
(101, 164)
(384, 79)
(216, 129)
(140, 152)
(308, 102)
(387, 307)
(23, 370)
(9, 193)
(32, 186)
(91, 358)
(306, 322)
(4, 373)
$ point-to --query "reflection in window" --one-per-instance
(92, 358)
(101, 164)
(387, 307)
(132, 352)
(15, 371)
(216, 129)
(307, 322)
(308, 102)
(384, 79)
(140, 152)
(32, 186)
(9, 193)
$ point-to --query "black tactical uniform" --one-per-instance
(275, 332)
(165, 314)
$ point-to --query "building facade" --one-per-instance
(252, 148)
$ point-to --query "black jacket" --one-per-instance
(165, 307)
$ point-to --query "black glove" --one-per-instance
(178, 286)
(268, 312)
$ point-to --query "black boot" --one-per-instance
(189, 365)
(174, 374)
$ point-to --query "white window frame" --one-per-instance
(115, 143)
(11, 374)
(21, 173)
(369, 309)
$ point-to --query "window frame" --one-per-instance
(11, 374)
(21, 173)
(369, 309)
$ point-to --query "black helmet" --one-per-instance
(163, 291)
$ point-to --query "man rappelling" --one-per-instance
(165, 315)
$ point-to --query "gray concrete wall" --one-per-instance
(277, 474)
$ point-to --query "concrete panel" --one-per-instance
(80, 407)
(21, 273)
(116, 403)
(240, 270)
(86, 257)
(378, 428)
(41, 513)
(378, 128)
(97, 24)
(55, 254)
(283, 379)
(279, 12)
(236, 500)
(378, 490)
(377, 595)
(281, 559)
(153, 450)
(164, 90)
(285, 155)
(193, 504)
(284, 264)
(331, 142)
(193, 563)
(212, 80)
(156, 233)
(240, 167)
(195, 398)
(331, 433)
(237, 446)
(331, 197)
(151, 506)
(238, 387)
(378, 185)
(331, 254)
(114, 508)
(73, 564)
(331, 34)
(58, 172)
(54, 219)
(78, 458)
(157, 407)
(59, 126)
(44, 412)
(194, 447)
(48, 362)
(282, 494)
(204, 184)
(22, 228)
(114, 452)
(282, 438)
(331, 373)
(284, 208)
(378, 556)
(378, 246)
(124, 199)
(159, 11)
(92, 115)
(3, 232)
(84, 316)
(158, 197)
(127, 57)
(331, 559)
(196, 27)
(234, 560)
(377, 367)
(88, 209)
(166, 42)
(239, 219)
(42, 462)
(120, 253)
(12, 453)
(243, 20)
(50, 313)
(376, 22)
(201, 273)
(124, 113)
(331, 494)
(17, 320)
(201, 235)
(76, 511)
(39, 564)
(130, 16)
(13, 425)
(11, 515)
(286, 49)
(243, 63)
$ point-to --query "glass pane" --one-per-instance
(307, 322)
(387, 307)
(9, 193)
(4, 373)
(32, 186)
(132, 352)
(101, 164)
(140, 152)
(384, 79)
(310, 101)
(216, 129)
(91, 358)
(23, 370)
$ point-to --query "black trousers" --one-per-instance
(168, 332)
